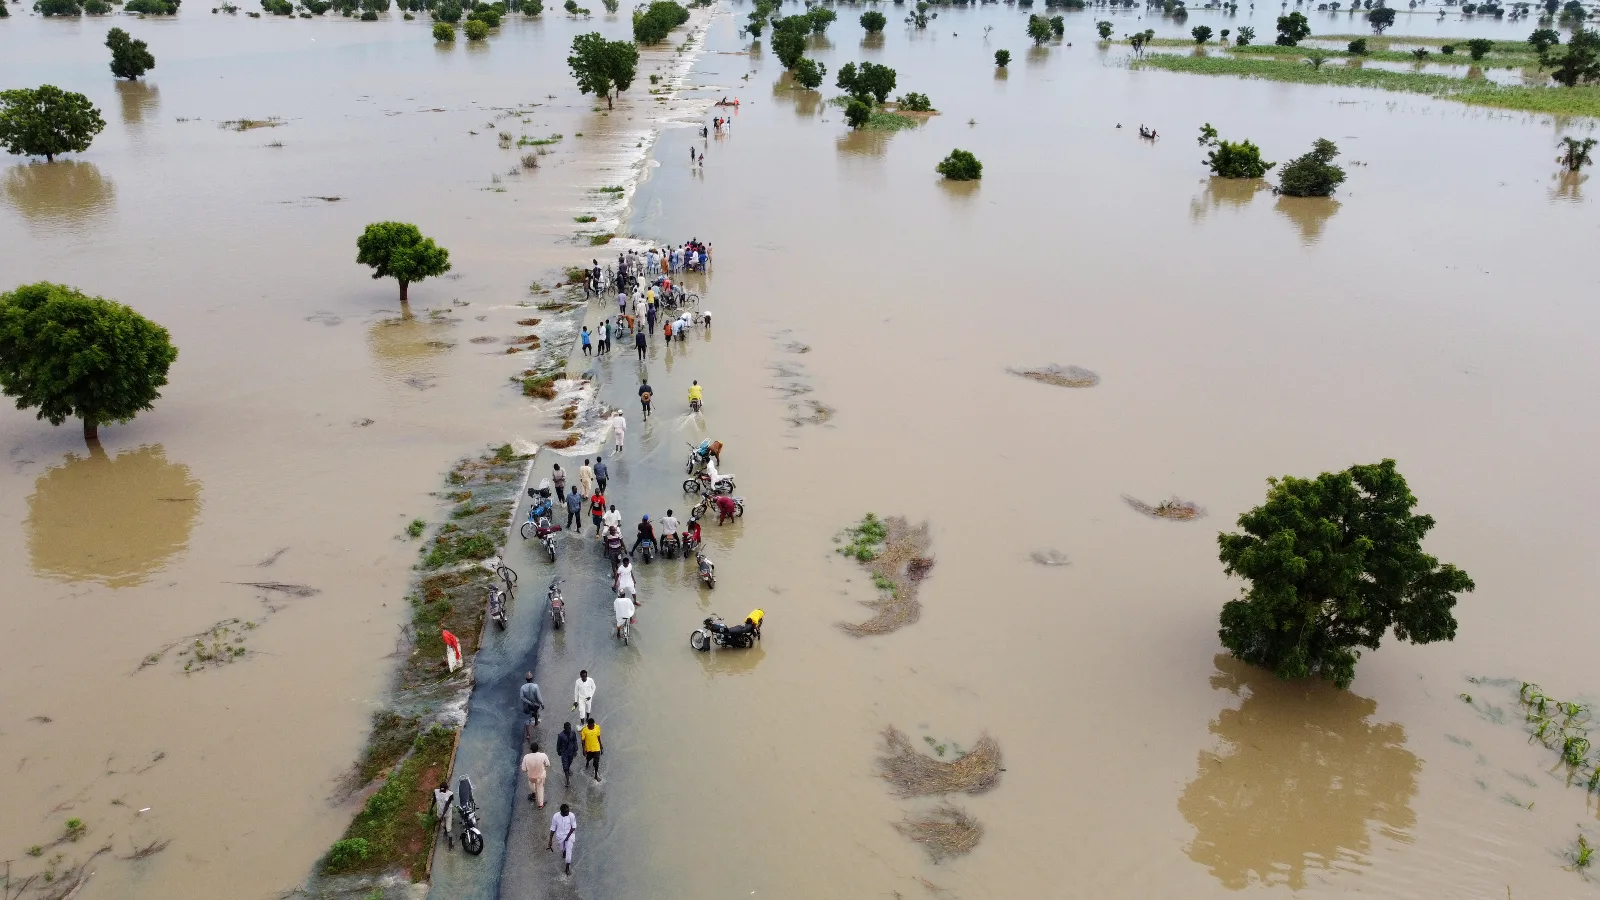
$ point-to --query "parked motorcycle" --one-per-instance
(708, 570)
(467, 811)
(497, 607)
(699, 455)
(702, 484)
(714, 632)
(558, 607)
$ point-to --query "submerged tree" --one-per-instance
(1478, 48)
(73, 355)
(1039, 29)
(1314, 174)
(1246, 35)
(130, 58)
(808, 73)
(1542, 39)
(47, 121)
(1104, 28)
(444, 32)
(1292, 29)
(960, 165)
(1333, 563)
(873, 21)
(1380, 19)
(398, 250)
(867, 82)
(1581, 62)
(1002, 58)
(1574, 153)
(857, 113)
(788, 43)
(601, 66)
(1232, 160)
(1201, 34)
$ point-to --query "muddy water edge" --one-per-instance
(307, 421)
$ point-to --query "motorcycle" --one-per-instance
(704, 505)
(699, 455)
(497, 607)
(708, 570)
(702, 483)
(670, 545)
(648, 548)
(615, 547)
(544, 530)
(542, 502)
(694, 406)
(714, 632)
(467, 811)
(558, 607)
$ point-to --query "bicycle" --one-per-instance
(508, 576)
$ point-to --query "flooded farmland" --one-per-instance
(866, 317)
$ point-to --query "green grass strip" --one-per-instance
(1492, 61)
(1579, 101)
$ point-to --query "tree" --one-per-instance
(914, 102)
(1581, 62)
(789, 44)
(1038, 29)
(72, 355)
(1357, 47)
(867, 80)
(808, 74)
(1542, 40)
(601, 66)
(48, 8)
(1104, 28)
(1314, 174)
(448, 11)
(1292, 29)
(652, 25)
(1200, 33)
(820, 18)
(1058, 25)
(857, 113)
(444, 32)
(1002, 58)
(47, 121)
(1574, 153)
(476, 29)
(960, 166)
(1380, 18)
(1333, 563)
(873, 21)
(1232, 160)
(1479, 47)
(129, 58)
(1246, 35)
(1316, 58)
(398, 250)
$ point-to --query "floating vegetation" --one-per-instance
(1582, 855)
(915, 774)
(897, 569)
(1049, 558)
(584, 219)
(571, 440)
(147, 851)
(484, 339)
(248, 124)
(809, 412)
(526, 141)
(1060, 376)
(1174, 509)
(1565, 728)
(944, 832)
(293, 590)
(527, 323)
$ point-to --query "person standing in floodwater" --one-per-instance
(563, 828)
(535, 765)
(585, 338)
(644, 396)
(589, 735)
(583, 695)
(601, 474)
(691, 154)
(639, 344)
(574, 511)
(567, 749)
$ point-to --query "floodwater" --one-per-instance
(1434, 312)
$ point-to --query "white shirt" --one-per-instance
(582, 690)
(625, 579)
(624, 609)
(621, 423)
(563, 826)
(669, 525)
(611, 519)
(711, 469)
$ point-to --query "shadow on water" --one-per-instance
(806, 103)
(872, 41)
(1568, 187)
(1309, 214)
(114, 520)
(1228, 193)
(67, 192)
(864, 142)
(406, 347)
(1300, 778)
(962, 192)
(139, 99)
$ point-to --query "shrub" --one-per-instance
(873, 21)
(1479, 47)
(1200, 33)
(914, 102)
(960, 166)
(1358, 47)
(476, 30)
(444, 32)
(278, 7)
(448, 11)
(1104, 28)
(1292, 29)
(1448, 49)
(488, 15)
(1314, 174)
(808, 74)
(49, 8)
(1002, 58)
(857, 113)
(346, 853)
(651, 25)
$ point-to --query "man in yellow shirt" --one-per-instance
(695, 395)
(589, 735)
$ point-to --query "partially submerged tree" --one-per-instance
(653, 24)
(1542, 39)
(398, 250)
(857, 113)
(1201, 34)
(789, 39)
(1246, 35)
(1479, 47)
(47, 121)
(1581, 62)
(130, 58)
(476, 30)
(873, 21)
(73, 355)
(1292, 29)
(867, 82)
(1380, 19)
(1104, 28)
(444, 32)
(1332, 564)
(1232, 160)
(1002, 58)
(1357, 47)
(1574, 153)
(960, 165)
(601, 66)
(1314, 174)
(808, 74)
(820, 17)
(1038, 29)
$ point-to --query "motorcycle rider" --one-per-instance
(612, 518)
(669, 531)
(709, 472)
(696, 394)
(616, 547)
(647, 535)
(691, 535)
(624, 609)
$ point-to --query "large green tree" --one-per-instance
(398, 250)
(1581, 62)
(873, 21)
(652, 24)
(789, 39)
(1039, 29)
(1314, 174)
(1332, 563)
(1292, 29)
(601, 66)
(72, 355)
(130, 57)
(867, 82)
(47, 121)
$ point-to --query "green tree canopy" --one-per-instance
(857, 113)
(72, 355)
(808, 74)
(820, 17)
(1038, 29)
(130, 58)
(1380, 18)
(873, 21)
(1292, 29)
(1002, 58)
(1333, 563)
(1314, 174)
(1200, 33)
(789, 43)
(398, 250)
(444, 32)
(475, 29)
(651, 25)
(1232, 160)
(1581, 62)
(960, 165)
(1104, 29)
(47, 121)
(867, 82)
(601, 66)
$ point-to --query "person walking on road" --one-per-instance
(589, 735)
(623, 581)
(619, 421)
(639, 343)
(586, 478)
(583, 695)
(597, 511)
(532, 700)
(585, 336)
(535, 765)
(602, 475)
(567, 749)
(645, 392)
(563, 828)
(574, 510)
(558, 477)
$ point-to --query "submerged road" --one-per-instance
(645, 478)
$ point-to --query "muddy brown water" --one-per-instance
(1434, 312)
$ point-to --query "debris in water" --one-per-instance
(42, 720)
(362, 423)
(293, 590)
(484, 339)
(944, 832)
(327, 199)
(1049, 557)
(148, 850)
(915, 774)
(797, 347)
(276, 554)
(810, 412)
(1174, 509)
(1060, 376)
(247, 124)
(897, 570)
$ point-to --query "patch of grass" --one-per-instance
(584, 219)
(571, 440)
(416, 527)
(74, 829)
(915, 774)
(889, 121)
(449, 549)
(896, 569)
(865, 539)
(1495, 61)
(526, 141)
(396, 826)
(392, 735)
(1411, 40)
(610, 189)
(599, 240)
(541, 386)
(1578, 101)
